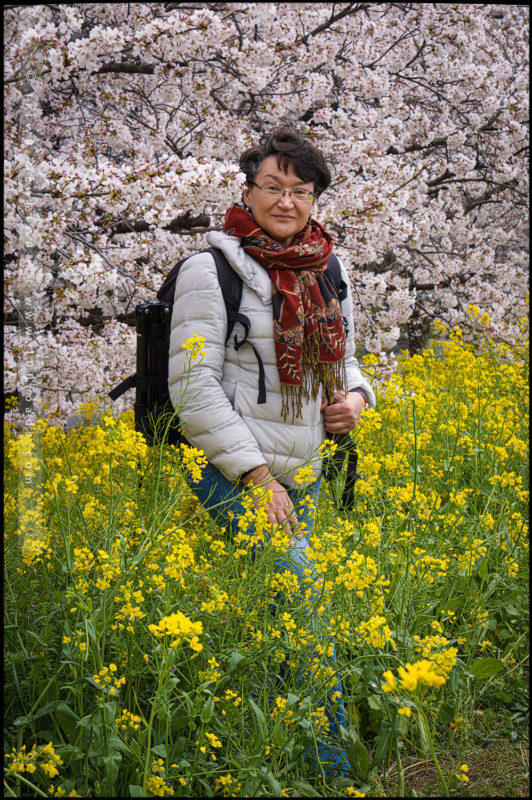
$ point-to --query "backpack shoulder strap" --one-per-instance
(231, 286)
(334, 271)
(166, 292)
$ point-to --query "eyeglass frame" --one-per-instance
(310, 198)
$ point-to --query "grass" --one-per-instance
(496, 769)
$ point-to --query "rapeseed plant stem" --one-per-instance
(163, 671)
(9, 789)
(430, 741)
(401, 776)
(21, 778)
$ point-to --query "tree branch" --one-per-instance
(354, 8)
(183, 223)
(128, 67)
(439, 142)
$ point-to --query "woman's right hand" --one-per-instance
(280, 509)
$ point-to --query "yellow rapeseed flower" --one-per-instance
(391, 681)
(180, 628)
(194, 345)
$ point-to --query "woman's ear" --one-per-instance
(245, 196)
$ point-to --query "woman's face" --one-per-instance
(281, 218)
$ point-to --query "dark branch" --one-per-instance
(183, 223)
(393, 151)
(186, 222)
(127, 67)
(352, 9)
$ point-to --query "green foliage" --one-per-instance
(141, 649)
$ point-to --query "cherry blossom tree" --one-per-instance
(123, 126)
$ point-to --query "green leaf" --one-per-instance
(251, 787)
(89, 627)
(261, 722)
(178, 748)
(305, 789)
(159, 750)
(294, 749)
(40, 713)
(111, 765)
(170, 683)
(178, 723)
(400, 636)
(457, 681)
(485, 668)
(493, 584)
(116, 743)
(109, 713)
(68, 719)
(268, 778)
(238, 662)
(357, 752)
(424, 734)
(446, 713)
(383, 743)
(190, 706)
(135, 748)
(207, 710)
(135, 791)
(69, 750)
(291, 700)
(208, 789)
(278, 735)
(374, 702)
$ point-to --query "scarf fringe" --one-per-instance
(315, 374)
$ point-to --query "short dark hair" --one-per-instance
(290, 147)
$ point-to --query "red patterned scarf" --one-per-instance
(308, 325)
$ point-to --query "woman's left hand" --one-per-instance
(343, 413)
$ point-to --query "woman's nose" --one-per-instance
(286, 200)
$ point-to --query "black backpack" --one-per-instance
(155, 415)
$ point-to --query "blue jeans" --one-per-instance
(219, 496)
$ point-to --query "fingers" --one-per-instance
(291, 525)
(283, 513)
(338, 427)
(288, 519)
(338, 397)
(339, 419)
(280, 510)
(344, 413)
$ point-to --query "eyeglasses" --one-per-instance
(276, 192)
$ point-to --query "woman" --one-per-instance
(314, 386)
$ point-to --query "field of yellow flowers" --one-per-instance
(140, 642)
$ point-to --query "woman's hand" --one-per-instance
(280, 509)
(343, 413)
